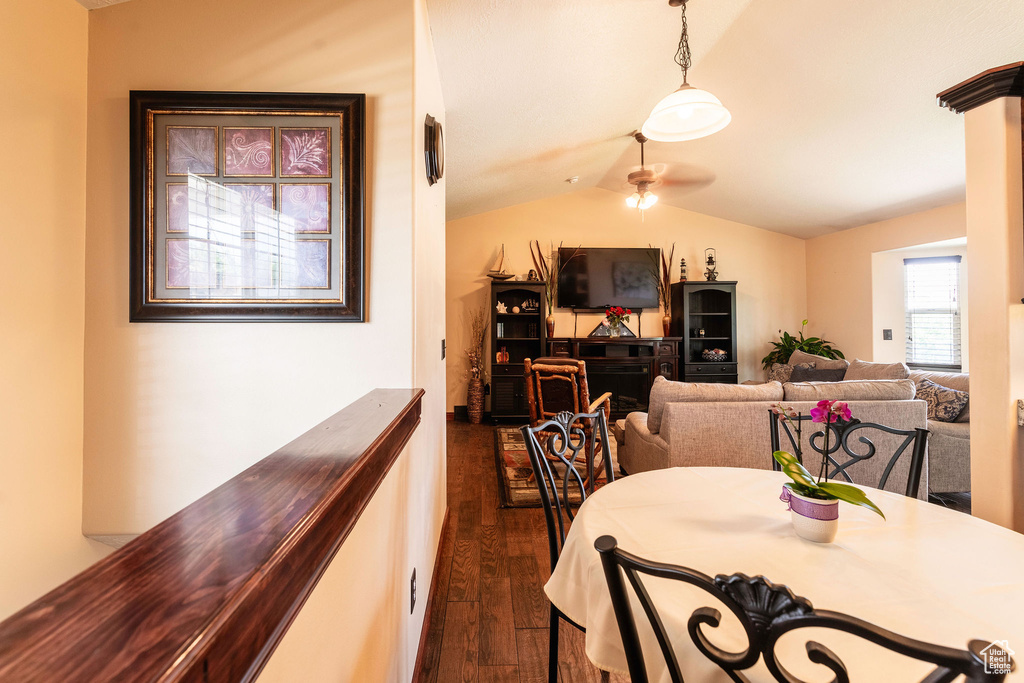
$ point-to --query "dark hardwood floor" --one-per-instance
(489, 615)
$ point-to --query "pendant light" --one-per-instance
(643, 198)
(688, 113)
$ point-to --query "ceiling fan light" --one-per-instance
(686, 114)
(633, 200)
(648, 200)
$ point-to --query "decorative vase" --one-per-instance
(813, 519)
(475, 400)
(666, 325)
(550, 322)
(613, 329)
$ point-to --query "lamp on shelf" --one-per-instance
(710, 258)
(688, 113)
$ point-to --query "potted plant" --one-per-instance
(548, 270)
(615, 316)
(787, 344)
(814, 502)
(477, 366)
(663, 281)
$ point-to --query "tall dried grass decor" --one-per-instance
(548, 268)
(663, 280)
(477, 366)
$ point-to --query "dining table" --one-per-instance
(924, 571)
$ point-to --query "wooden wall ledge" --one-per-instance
(207, 594)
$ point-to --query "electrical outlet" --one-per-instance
(887, 335)
(412, 592)
(443, 349)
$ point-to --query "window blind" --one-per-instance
(932, 296)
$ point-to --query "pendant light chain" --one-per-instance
(683, 53)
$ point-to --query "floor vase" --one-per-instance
(475, 400)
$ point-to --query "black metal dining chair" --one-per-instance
(916, 440)
(767, 612)
(558, 448)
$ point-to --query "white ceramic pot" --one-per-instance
(814, 519)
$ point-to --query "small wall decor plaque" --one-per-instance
(246, 206)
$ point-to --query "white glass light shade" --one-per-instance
(687, 114)
(641, 201)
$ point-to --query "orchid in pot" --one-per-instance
(814, 501)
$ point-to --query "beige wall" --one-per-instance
(889, 301)
(768, 266)
(42, 297)
(839, 285)
(994, 227)
(172, 410)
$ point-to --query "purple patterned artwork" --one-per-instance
(248, 151)
(177, 207)
(256, 204)
(178, 263)
(192, 150)
(313, 261)
(306, 152)
(309, 206)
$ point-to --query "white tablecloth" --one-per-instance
(925, 572)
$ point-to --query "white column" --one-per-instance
(995, 249)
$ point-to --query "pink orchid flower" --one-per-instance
(828, 412)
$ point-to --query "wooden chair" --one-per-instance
(767, 612)
(557, 385)
(841, 448)
(564, 441)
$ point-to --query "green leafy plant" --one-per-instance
(804, 483)
(787, 344)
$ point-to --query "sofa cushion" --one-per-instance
(944, 404)
(664, 391)
(961, 381)
(860, 369)
(851, 390)
(781, 372)
(956, 430)
(802, 374)
(820, 362)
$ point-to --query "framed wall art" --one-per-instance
(246, 206)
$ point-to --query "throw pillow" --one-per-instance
(856, 390)
(944, 404)
(820, 362)
(961, 381)
(780, 372)
(802, 374)
(860, 369)
(664, 391)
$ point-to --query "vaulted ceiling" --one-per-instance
(834, 124)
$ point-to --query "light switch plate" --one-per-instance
(887, 335)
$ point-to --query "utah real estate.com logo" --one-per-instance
(997, 657)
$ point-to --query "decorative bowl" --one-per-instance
(715, 355)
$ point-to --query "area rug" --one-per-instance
(518, 490)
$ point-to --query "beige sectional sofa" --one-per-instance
(726, 425)
(949, 445)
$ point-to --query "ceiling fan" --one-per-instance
(678, 178)
(643, 179)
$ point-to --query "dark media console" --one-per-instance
(625, 366)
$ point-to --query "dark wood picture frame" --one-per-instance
(348, 304)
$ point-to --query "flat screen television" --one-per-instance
(599, 277)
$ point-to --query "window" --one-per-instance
(932, 291)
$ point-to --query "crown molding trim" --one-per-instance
(1001, 81)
